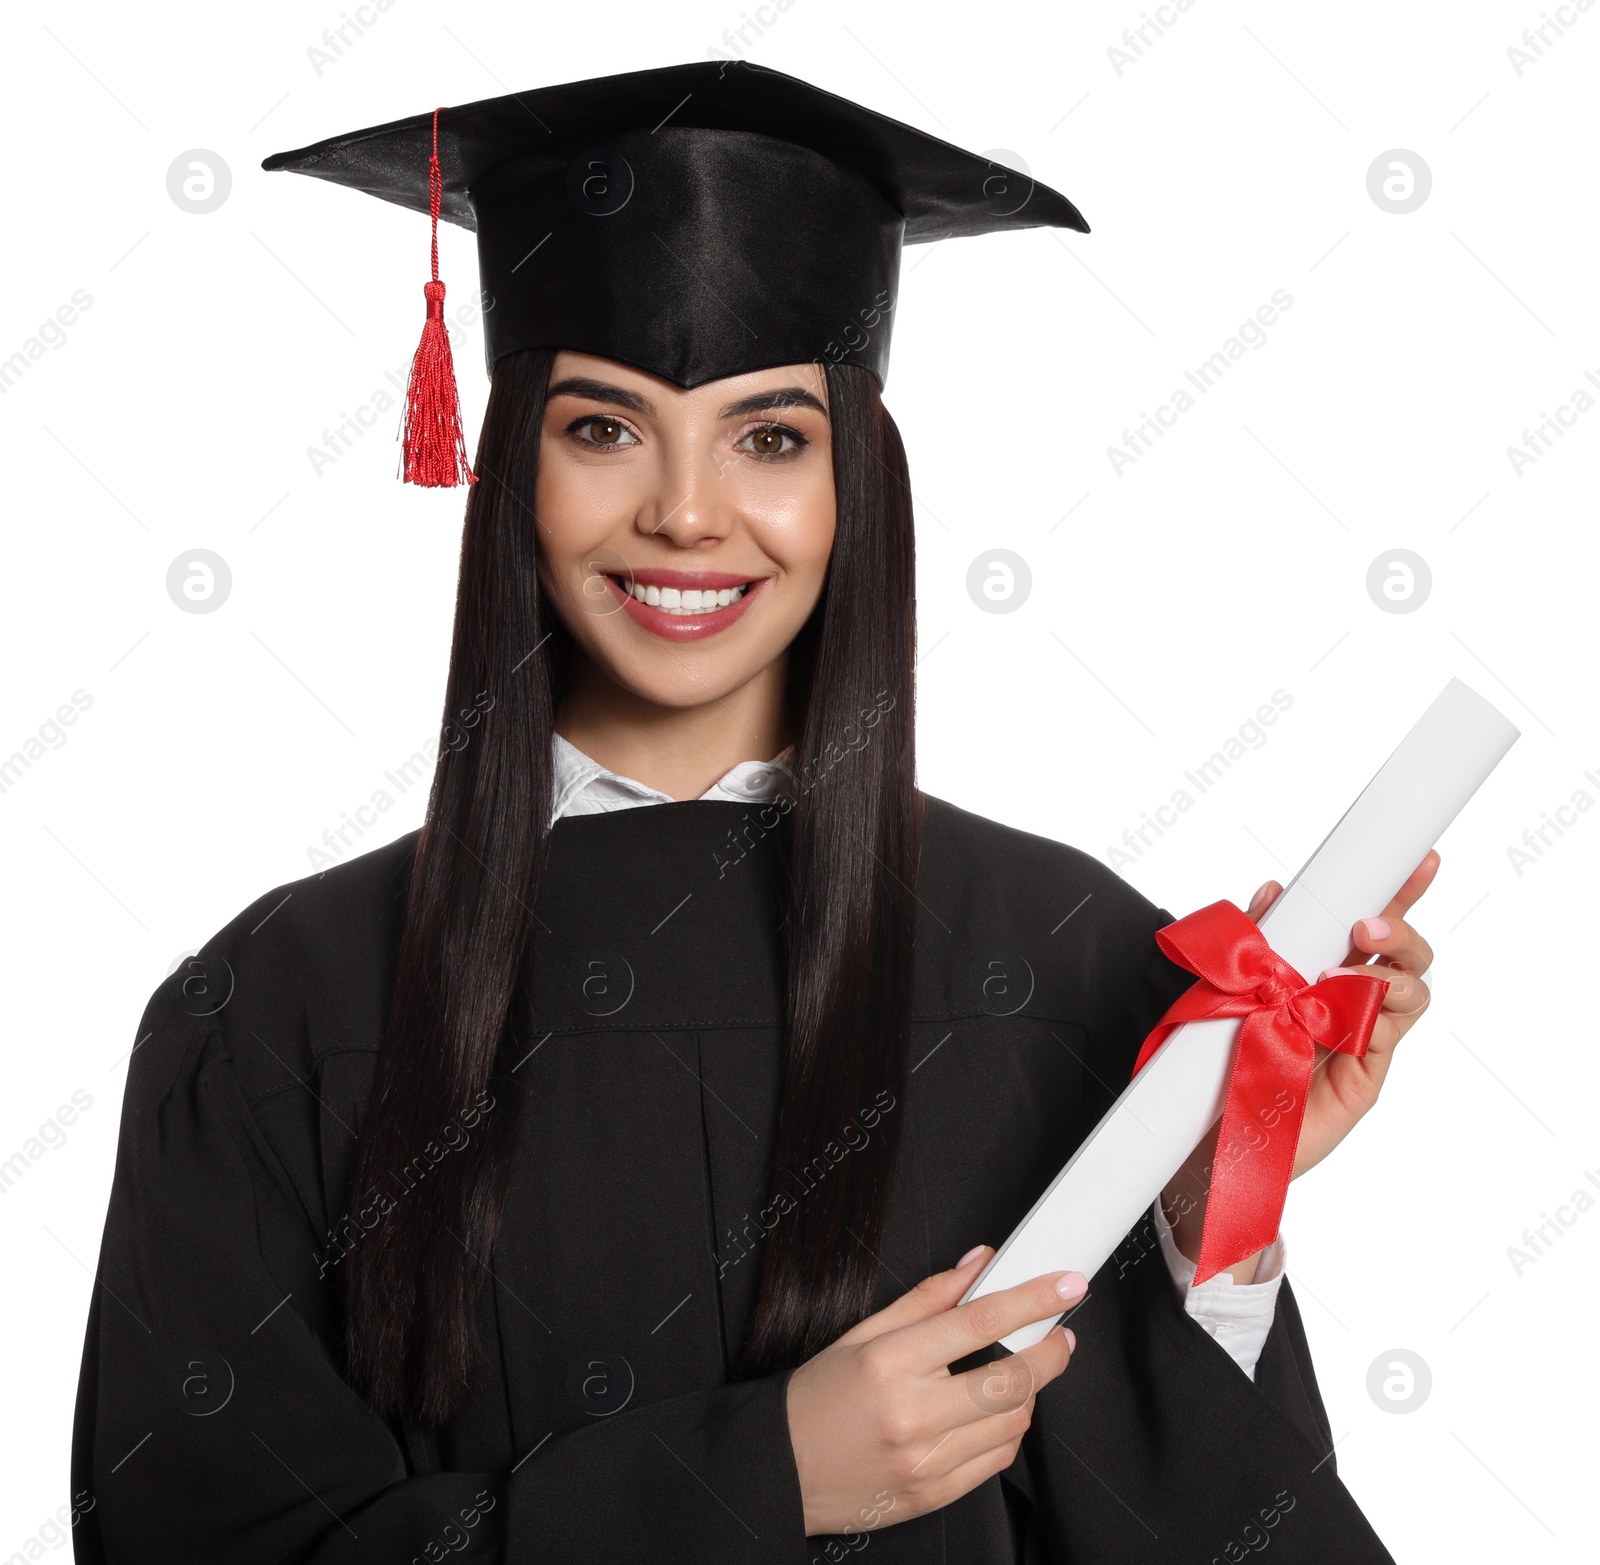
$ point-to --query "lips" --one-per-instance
(681, 611)
(645, 576)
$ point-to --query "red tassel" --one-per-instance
(433, 447)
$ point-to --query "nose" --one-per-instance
(691, 503)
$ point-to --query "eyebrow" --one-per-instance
(599, 391)
(783, 397)
(618, 396)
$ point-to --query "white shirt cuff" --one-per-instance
(1237, 1315)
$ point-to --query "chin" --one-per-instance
(681, 678)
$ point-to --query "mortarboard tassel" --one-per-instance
(433, 448)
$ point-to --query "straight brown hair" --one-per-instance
(852, 845)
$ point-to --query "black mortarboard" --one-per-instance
(694, 221)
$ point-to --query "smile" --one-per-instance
(684, 605)
(686, 600)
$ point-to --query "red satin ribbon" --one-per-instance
(1284, 1019)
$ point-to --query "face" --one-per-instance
(684, 535)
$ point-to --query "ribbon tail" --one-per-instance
(1256, 1144)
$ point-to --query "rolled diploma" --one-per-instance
(1166, 1110)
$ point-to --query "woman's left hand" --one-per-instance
(1343, 1086)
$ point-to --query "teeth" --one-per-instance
(689, 600)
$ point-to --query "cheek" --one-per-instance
(575, 506)
(577, 511)
(795, 529)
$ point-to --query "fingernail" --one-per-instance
(1377, 928)
(971, 1255)
(1072, 1339)
(1072, 1285)
(1261, 891)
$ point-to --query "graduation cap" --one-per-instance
(695, 221)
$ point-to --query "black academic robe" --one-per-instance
(213, 1423)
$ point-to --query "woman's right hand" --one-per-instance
(882, 1431)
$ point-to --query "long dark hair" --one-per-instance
(415, 1276)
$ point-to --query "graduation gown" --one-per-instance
(213, 1421)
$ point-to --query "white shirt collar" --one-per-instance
(584, 787)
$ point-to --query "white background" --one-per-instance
(1227, 160)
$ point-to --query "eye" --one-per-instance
(770, 441)
(605, 432)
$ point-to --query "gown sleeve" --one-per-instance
(213, 1422)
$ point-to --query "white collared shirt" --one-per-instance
(584, 787)
(1237, 1315)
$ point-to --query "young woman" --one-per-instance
(580, 1176)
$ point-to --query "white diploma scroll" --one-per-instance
(1166, 1110)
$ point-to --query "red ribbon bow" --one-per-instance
(1285, 1018)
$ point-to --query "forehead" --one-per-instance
(570, 364)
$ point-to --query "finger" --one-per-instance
(1393, 939)
(1416, 883)
(1267, 893)
(965, 1479)
(1004, 1385)
(1394, 911)
(963, 1458)
(941, 1404)
(932, 1296)
(934, 1343)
